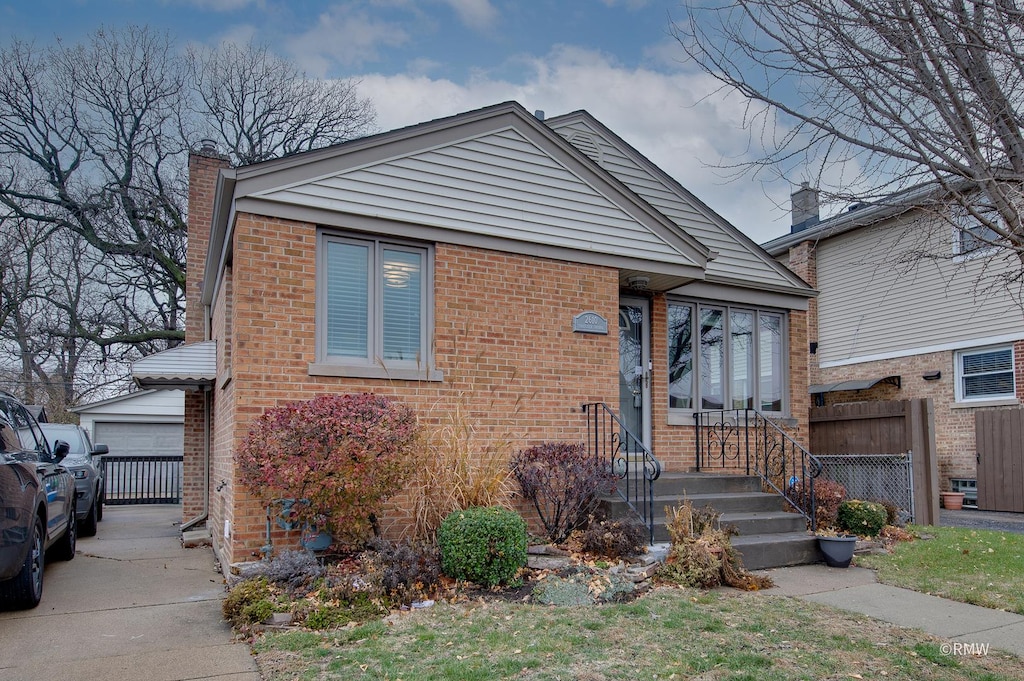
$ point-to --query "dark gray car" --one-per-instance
(37, 505)
(89, 483)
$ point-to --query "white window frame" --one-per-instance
(727, 310)
(958, 361)
(373, 365)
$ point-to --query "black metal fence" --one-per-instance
(745, 440)
(142, 479)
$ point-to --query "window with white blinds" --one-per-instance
(373, 302)
(985, 374)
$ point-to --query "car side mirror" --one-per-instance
(60, 450)
(98, 449)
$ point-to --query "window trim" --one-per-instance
(963, 224)
(958, 369)
(681, 415)
(374, 366)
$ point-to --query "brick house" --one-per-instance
(889, 326)
(477, 259)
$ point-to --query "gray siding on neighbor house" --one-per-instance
(872, 306)
(500, 184)
(737, 261)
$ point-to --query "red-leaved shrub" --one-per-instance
(562, 481)
(345, 454)
(828, 494)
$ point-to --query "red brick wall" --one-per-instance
(203, 170)
(502, 336)
(954, 423)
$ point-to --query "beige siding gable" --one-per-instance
(738, 262)
(500, 184)
(879, 301)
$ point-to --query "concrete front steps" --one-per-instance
(768, 536)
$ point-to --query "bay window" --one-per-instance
(723, 357)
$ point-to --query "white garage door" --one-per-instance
(141, 439)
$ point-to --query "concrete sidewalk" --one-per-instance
(133, 605)
(856, 590)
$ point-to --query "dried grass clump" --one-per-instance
(702, 555)
(458, 470)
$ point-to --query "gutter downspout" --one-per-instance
(207, 398)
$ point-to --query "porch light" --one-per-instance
(639, 283)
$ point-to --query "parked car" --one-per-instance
(37, 505)
(89, 482)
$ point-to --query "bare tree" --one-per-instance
(262, 107)
(94, 140)
(893, 93)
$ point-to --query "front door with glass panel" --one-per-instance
(635, 367)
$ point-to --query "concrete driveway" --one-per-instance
(133, 605)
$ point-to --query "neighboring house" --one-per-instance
(470, 262)
(907, 309)
(142, 423)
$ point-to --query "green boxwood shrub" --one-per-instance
(865, 518)
(482, 544)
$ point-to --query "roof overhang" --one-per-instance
(822, 388)
(186, 367)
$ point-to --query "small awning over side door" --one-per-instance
(186, 367)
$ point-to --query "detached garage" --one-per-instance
(143, 423)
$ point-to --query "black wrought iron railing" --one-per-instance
(633, 463)
(142, 479)
(747, 441)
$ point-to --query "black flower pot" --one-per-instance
(838, 550)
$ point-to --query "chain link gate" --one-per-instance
(874, 477)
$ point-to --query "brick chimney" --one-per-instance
(804, 208)
(204, 165)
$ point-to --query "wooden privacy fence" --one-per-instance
(1000, 448)
(892, 427)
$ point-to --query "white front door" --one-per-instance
(635, 367)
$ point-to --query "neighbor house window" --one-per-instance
(373, 302)
(722, 357)
(985, 374)
(973, 237)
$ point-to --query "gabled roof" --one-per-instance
(495, 178)
(736, 260)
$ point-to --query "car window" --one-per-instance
(73, 436)
(8, 438)
(28, 431)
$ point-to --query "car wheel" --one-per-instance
(26, 588)
(102, 496)
(88, 527)
(64, 549)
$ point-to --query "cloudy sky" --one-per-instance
(423, 59)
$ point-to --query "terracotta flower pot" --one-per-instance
(952, 501)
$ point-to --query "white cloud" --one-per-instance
(478, 15)
(656, 112)
(221, 5)
(346, 35)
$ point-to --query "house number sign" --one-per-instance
(589, 322)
